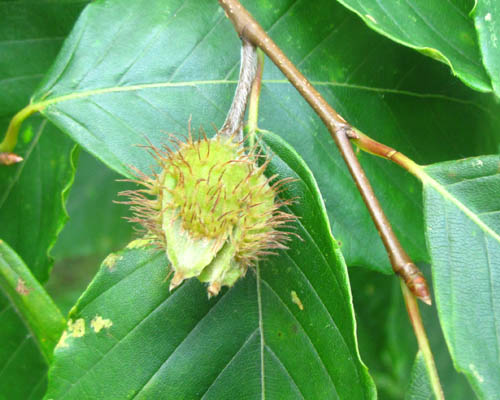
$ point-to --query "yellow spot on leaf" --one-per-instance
(77, 328)
(296, 300)
(21, 287)
(111, 260)
(62, 340)
(98, 323)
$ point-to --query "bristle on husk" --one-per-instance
(211, 208)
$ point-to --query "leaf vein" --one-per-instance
(149, 43)
(188, 335)
(282, 366)
(245, 343)
(496, 326)
(313, 347)
(197, 44)
(146, 317)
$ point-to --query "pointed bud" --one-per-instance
(9, 158)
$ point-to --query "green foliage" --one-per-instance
(130, 72)
(462, 210)
(388, 345)
(486, 14)
(31, 194)
(419, 388)
(96, 225)
(255, 328)
(111, 97)
(29, 298)
(32, 204)
(439, 29)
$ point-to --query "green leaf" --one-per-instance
(31, 193)
(131, 71)
(31, 301)
(387, 341)
(420, 385)
(462, 210)
(31, 34)
(23, 369)
(96, 225)
(486, 18)
(256, 339)
(31, 326)
(440, 29)
(95, 228)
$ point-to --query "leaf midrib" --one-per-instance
(41, 105)
(427, 180)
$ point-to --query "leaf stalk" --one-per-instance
(423, 342)
(33, 304)
(233, 126)
(253, 105)
(10, 140)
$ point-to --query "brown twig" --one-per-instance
(423, 342)
(341, 132)
(371, 146)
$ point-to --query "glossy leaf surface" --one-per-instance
(130, 72)
(256, 339)
(441, 29)
(487, 21)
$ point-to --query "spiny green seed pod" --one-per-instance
(212, 208)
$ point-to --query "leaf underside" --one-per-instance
(420, 386)
(462, 212)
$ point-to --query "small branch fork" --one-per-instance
(249, 30)
(413, 283)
